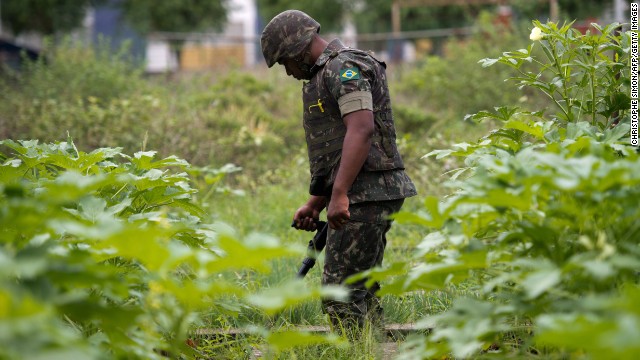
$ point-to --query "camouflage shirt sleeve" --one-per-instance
(341, 87)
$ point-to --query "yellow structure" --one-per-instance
(195, 57)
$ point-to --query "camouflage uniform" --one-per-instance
(344, 80)
(379, 189)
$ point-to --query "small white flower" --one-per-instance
(536, 34)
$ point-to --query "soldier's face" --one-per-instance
(293, 69)
(297, 68)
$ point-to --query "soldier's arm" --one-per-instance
(350, 84)
(355, 149)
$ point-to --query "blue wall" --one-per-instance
(110, 25)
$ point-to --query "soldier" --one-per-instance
(356, 170)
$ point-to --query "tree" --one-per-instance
(329, 13)
(43, 16)
(49, 17)
(569, 9)
(174, 15)
(374, 16)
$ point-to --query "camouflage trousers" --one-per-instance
(357, 247)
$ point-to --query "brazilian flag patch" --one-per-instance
(349, 74)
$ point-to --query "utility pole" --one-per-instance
(554, 10)
(619, 8)
(395, 17)
(396, 28)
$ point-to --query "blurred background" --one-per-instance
(194, 35)
(187, 78)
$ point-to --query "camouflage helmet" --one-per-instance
(287, 35)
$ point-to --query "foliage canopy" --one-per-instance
(49, 17)
(43, 16)
(374, 16)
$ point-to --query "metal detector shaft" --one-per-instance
(316, 245)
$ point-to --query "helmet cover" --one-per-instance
(287, 35)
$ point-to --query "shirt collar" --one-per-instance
(329, 52)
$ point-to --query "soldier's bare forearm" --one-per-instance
(355, 149)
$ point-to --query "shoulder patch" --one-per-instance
(349, 74)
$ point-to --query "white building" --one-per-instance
(236, 45)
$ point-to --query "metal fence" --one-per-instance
(203, 51)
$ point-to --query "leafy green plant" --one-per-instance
(542, 222)
(106, 255)
(586, 76)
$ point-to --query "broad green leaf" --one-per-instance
(501, 198)
(81, 230)
(620, 131)
(430, 242)
(235, 254)
(147, 245)
(539, 282)
(534, 130)
(292, 293)
(396, 269)
(599, 269)
(488, 62)
(437, 276)
(144, 161)
(439, 154)
(283, 340)
(601, 337)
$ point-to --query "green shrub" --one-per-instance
(70, 71)
(100, 99)
(454, 85)
(77, 90)
(105, 255)
(543, 222)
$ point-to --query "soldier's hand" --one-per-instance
(305, 218)
(338, 212)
